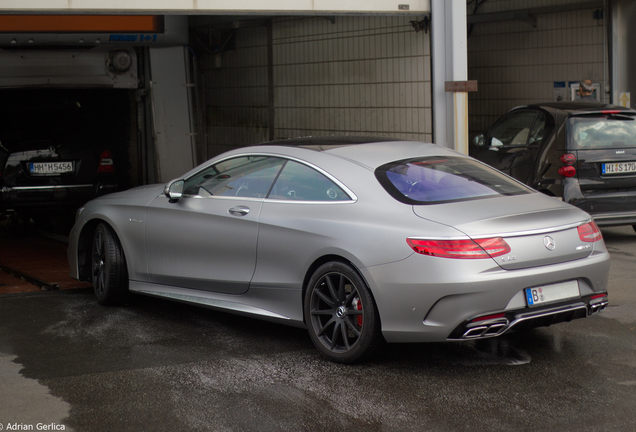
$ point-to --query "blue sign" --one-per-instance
(132, 38)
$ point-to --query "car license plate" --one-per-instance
(619, 168)
(50, 168)
(549, 293)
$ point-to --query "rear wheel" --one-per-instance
(108, 265)
(341, 315)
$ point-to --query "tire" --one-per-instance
(108, 267)
(340, 314)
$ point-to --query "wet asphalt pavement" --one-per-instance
(68, 363)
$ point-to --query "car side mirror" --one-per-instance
(479, 140)
(174, 190)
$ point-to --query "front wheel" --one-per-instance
(341, 315)
(108, 265)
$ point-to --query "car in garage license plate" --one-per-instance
(554, 292)
(50, 168)
(619, 168)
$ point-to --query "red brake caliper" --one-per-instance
(357, 304)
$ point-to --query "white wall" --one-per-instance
(172, 110)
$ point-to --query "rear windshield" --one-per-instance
(601, 132)
(433, 180)
(52, 121)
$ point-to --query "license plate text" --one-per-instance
(50, 168)
(550, 293)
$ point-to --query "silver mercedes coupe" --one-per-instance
(359, 240)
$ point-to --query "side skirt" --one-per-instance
(271, 304)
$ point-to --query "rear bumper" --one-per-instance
(420, 305)
(615, 219)
(526, 319)
(34, 197)
(608, 208)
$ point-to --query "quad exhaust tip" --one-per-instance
(488, 330)
(596, 308)
(496, 325)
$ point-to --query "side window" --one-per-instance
(514, 129)
(538, 130)
(247, 176)
(298, 182)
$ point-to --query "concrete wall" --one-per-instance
(236, 93)
(359, 75)
(517, 64)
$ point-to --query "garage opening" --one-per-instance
(59, 148)
(62, 147)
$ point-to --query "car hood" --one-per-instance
(141, 194)
(526, 222)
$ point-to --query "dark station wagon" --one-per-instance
(52, 160)
(583, 153)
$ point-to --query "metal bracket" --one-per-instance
(423, 24)
(460, 86)
(48, 286)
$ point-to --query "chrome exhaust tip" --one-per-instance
(596, 308)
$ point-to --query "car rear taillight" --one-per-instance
(589, 232)
(568, 158)
(568, 170)
(461, 249)
(106, 162)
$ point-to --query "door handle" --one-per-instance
(239, 210)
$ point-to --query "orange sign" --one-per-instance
(81, 24)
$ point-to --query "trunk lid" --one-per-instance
(540, 230)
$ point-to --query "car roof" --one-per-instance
(323, 143)
(577, 107)
(367, 151)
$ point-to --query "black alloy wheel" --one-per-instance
(108, 267)
(341, 315)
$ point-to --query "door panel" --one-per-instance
(207, 239)
(203, 243)
(507, 140)
(513, 143)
